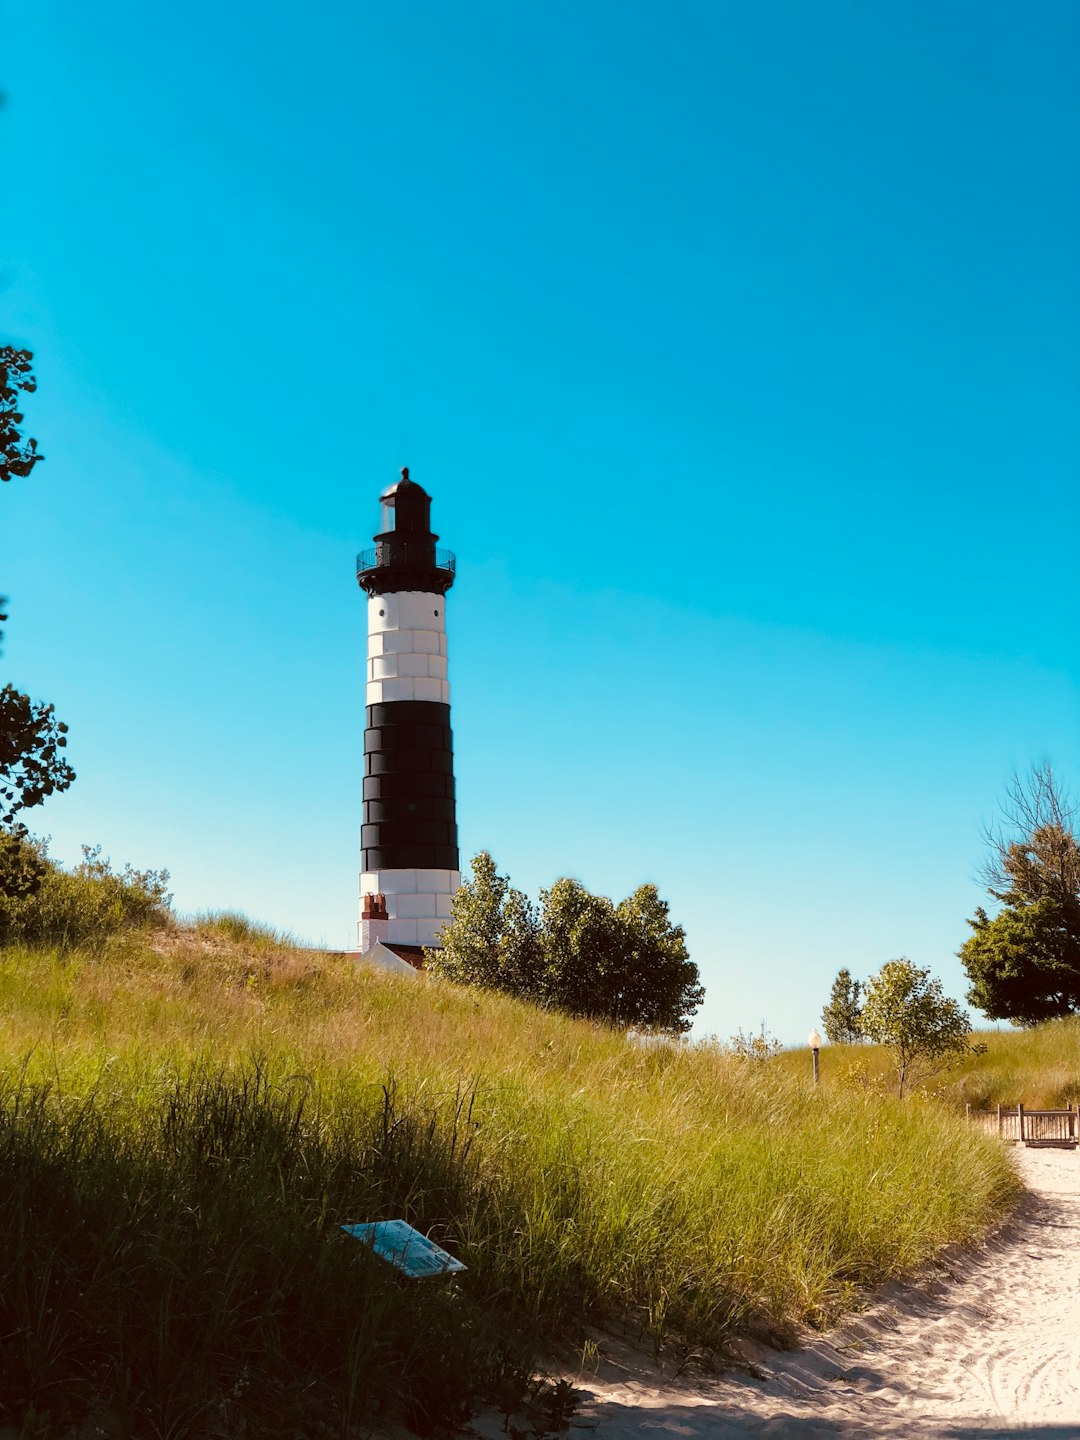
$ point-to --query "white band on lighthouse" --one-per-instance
(417, 904)
(407, 648)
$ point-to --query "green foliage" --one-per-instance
(624, 964)
(909, 1013)
(23, 867)
(1024, 963)
(41, 903)
(1039, 1065)
(493, 939)
(31, 737)
(17, 456)
(842, 1017)
(31, 765)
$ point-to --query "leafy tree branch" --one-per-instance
(17, 456)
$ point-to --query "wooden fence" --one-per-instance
(1030, 1127)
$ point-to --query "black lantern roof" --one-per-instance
(404, 556)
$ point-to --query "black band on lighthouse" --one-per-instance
(409, 818)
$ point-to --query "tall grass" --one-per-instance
(185, 1125)
(173, 1256)
(240, 930)
(1039, 1066)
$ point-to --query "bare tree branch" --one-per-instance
(1033, 849)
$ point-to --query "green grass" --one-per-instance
(185, 1123)
(241, 930)
(1040, 1067)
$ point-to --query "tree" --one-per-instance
(623, 964)
(17, 456)
(1035, 851)
(493, 936)
(842, 1017)
(31, 765)
(31, 737)
(907, 1011)
(1024, 962)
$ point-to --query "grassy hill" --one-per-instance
(1040, 1067)
(188, 1116)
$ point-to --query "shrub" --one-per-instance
(41, 903)
(625, 965)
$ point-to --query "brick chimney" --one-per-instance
(374, 923)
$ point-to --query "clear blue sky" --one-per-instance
(737, 346)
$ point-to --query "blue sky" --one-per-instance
(736, 345)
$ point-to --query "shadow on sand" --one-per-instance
(729, 1422)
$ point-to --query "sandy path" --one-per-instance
(992, 1348)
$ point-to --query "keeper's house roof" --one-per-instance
(404, 959)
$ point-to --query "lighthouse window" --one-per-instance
(382, 612)
(436, 612)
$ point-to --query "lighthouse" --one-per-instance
(409, 869)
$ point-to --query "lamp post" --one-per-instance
(814, 1041)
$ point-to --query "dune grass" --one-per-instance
(241, 930)
(1038, 1066)
(186, 1122)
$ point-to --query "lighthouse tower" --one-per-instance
(408, 840)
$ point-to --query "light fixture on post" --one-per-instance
(814, 1041)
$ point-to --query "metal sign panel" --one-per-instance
(405, 1248)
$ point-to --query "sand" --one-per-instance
(988, 1345)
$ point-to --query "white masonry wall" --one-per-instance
(407, 661)
(407, 648)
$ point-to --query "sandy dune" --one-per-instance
(990, 1348)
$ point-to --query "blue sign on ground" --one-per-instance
(405, 1248)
